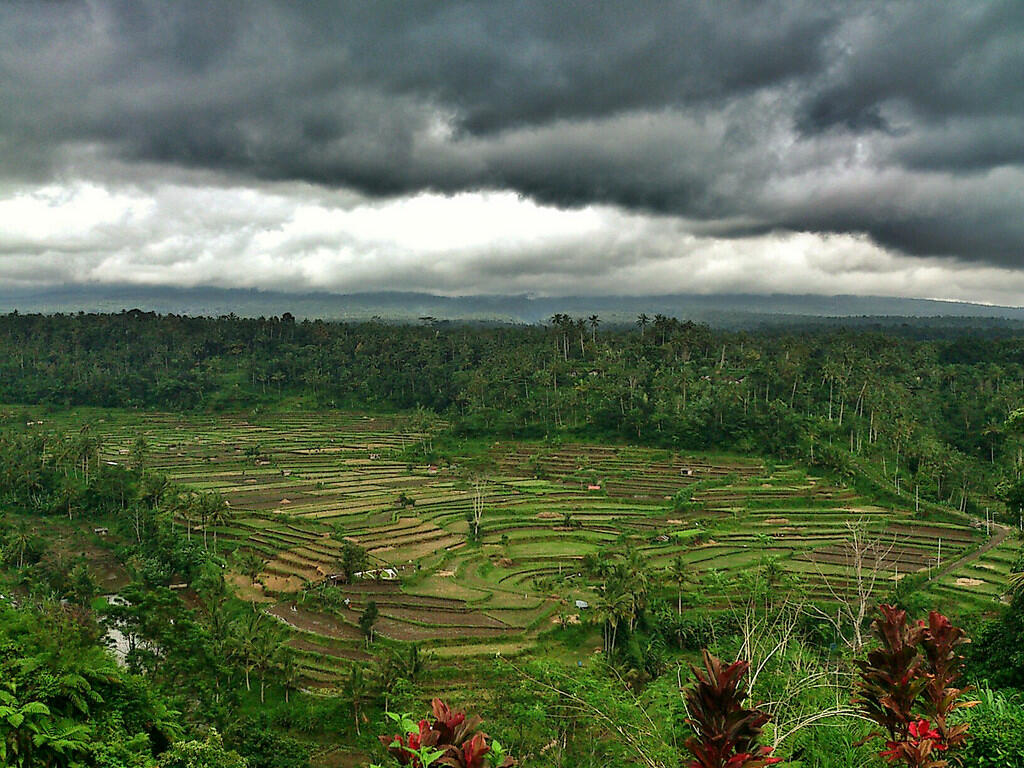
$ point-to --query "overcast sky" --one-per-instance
(516, 147)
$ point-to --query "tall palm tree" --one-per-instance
(288, 669)
(19, 541)
(613, 608)
(679, 574)
(642, 321)
(244, 641)
(356, 689)
(266, 655)
(638, 578)
(581, 325)
(594, 321)
(219, 514)
(203, 505)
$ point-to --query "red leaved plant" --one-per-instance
(726, 732)
(906, 686)
(945, 666)
(452, 738)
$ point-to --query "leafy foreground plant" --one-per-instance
(451, 740)
(727, 732)
(907, 687)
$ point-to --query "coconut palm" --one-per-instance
(642, 321)
(18, 542)
(679, 574)
(288, 669)
(219, 514)
(244, 641)
(638, 579)
(357, 689)
(267, 654)
(612, 609)
(249, 563)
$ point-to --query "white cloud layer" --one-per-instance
(188, 230)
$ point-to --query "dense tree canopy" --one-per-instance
(936, 408)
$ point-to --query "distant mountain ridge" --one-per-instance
(723, 310)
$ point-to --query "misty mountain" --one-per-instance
(721, 310)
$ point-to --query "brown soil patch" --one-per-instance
(246, 590)
(548, 516)
(965, 582)
(446, 574)
(777, 521)
(673, 521)
(317, 623)
(441, 618)
(352, 654)
(400, 630)
(283, 583)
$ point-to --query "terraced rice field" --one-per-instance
(297, 486)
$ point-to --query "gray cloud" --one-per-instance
(900, 121)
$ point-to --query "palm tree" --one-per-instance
(581, 326)
(266, 655)
(19, 541)
(181, 504)
(288, 669)
(246, 637)
(642, 320)
(219, 622)
(204, 505)
(613, 607)
(219, 514)
(679, 574)
(594, 321)
(249, 563)
(639, 581)
(356, 688)
(993, 431)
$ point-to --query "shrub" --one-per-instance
(726, 732)
(907, 687)
(997, 733)
(452, 740)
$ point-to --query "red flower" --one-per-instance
(921, 730)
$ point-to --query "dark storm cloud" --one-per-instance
(901, 120)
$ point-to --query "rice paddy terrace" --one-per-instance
(297, 486)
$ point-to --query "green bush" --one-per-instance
(997, 732)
